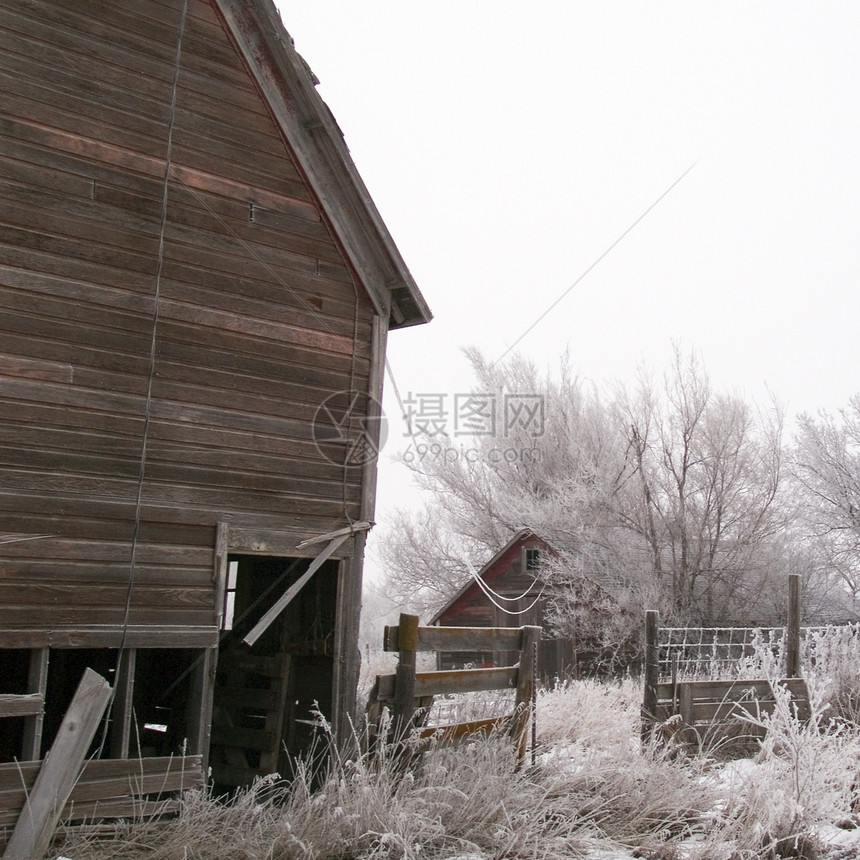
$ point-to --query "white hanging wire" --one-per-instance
(494, 597)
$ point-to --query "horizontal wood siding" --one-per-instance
(257, 319)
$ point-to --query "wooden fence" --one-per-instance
(407, 690)
(717, 709)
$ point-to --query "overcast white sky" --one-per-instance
(507, 145)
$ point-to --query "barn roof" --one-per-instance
(289, 87)
(518, 537)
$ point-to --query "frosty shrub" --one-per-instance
(802, 778)
(831, 662)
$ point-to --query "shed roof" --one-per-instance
(289, 87)
(519, 537)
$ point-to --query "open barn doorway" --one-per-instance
(267, 697)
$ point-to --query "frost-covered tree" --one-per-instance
(550, 474)
(701, 489)
(826, 464)
(665, 495)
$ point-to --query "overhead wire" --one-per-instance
(494, 597)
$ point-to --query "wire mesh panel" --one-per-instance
(688, 653)
(719, 652)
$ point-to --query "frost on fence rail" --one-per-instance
(740, 652)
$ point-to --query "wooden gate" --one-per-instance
(406, 690)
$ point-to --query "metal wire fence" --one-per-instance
(746, 652)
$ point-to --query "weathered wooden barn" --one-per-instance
(195, 291)
(509, 591)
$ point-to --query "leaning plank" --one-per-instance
(38, 819)
(282, 602)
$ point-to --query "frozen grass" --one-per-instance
(595, 791)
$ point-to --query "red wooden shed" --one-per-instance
(508, 592)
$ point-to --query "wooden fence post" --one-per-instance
(652, 671)
(403, 705)
(60, 769)
(525, 691)
(792, 633)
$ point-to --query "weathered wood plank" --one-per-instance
(132, 807)
(155, 582)
(48, 591)
(35, 368)
(59, 182)
(296, 369)
(108, 787)
(460, 639)
(105, 154)
(58, 617)
(103, 636)
(720, 690)
(448, 733)
(459, 681)
(21, 705)
(59, 771)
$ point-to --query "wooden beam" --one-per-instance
(405, 682)
(121, 712)
(37, 683)
(219, 569)
(346, 530)
(525, 690)
(652, 670)
(200, 704)
(792, 632)
(347, 657)
(60, 769)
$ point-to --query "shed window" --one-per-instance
(532, 558)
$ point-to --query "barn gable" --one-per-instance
(513, 587)
(190, 270)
